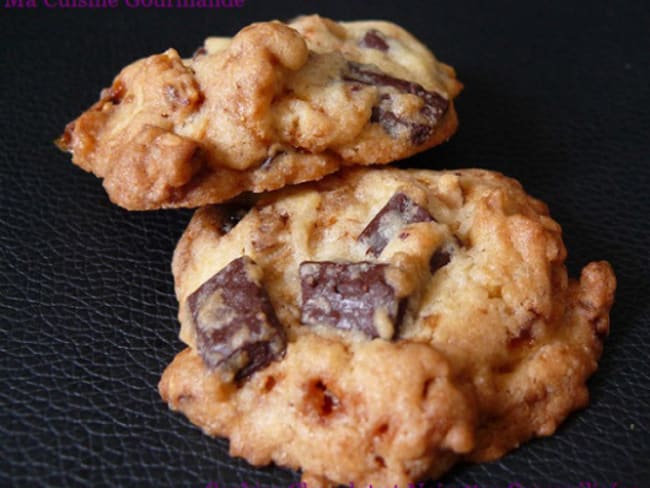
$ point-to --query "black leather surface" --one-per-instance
(557, 95)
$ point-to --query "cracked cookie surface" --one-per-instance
(278, 104)
(427, 317)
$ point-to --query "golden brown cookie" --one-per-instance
(379, 325)
(277, 104)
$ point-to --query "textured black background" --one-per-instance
(557, 95)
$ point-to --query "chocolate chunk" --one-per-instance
(398, 212)
(232, 213)
(435, 105)
(369, 75)
(349, 296)
(366, 75)
(420, 133)
(439, 259)
(374, 40)
(387, 119)
(236, 327)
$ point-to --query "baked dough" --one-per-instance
(491, 343)
(276, 105)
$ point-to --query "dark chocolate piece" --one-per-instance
(398, 212)
(420, 133)
(388, 120)
(435, 105)
(365, 75)
(236, 327)
(439, 259)
(349, 296)
(374, 40)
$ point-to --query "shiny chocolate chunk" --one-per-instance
(382, 115)
(237, 331)
(374, 39)
(439, 259)
(398, 212)
(349, 296)
(420, 128)
(368, 75)
(420, 133)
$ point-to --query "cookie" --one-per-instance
(276, 105)
(398, 321)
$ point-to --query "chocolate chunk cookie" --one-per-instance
(398, 321)
(277, 104)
